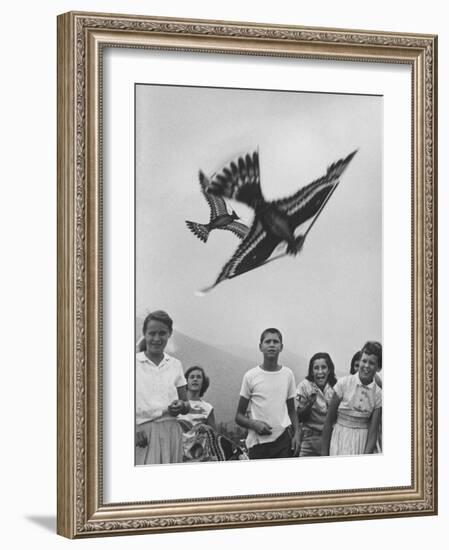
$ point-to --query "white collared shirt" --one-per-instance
(361, 400)
(156, 386)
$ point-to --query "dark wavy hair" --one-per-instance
(272, 330)
(206, 380)
(355, 357)
(331, 379)
(374, 348)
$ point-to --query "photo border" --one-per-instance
(81, 39)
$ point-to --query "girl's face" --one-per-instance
(195, 381)
(356, 366)
(320, 371)
(156, 337)
(369, 365)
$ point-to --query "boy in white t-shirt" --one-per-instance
(269, 390)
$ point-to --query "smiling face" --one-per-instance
(320, 372)
(156, 337)
(195, 381)
(369, 365)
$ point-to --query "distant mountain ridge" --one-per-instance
(225, 369)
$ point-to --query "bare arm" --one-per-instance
(331, 417)
(182, 393)
(262, 428)
(378, 380)
(373, 430)
(296, 439)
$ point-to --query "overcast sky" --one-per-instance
(329, 297)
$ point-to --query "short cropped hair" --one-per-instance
(331, 379)
(161, 316)
(206, 380)
(374, 348)
(272, 330)
(355, 357)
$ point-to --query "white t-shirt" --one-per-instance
(267, 392)
(156, 386)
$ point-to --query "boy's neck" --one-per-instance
(270, 365)
(156, 359)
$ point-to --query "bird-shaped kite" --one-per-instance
(276, 221)
(219, 216)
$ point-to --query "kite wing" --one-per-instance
(308, 201)
(240, 180)
(216, 203)
(238, 228)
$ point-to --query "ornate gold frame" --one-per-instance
(81, 37)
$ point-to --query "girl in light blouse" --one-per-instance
(355, 410)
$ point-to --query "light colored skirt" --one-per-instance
(164, 443)
(349, 435)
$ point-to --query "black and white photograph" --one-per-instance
(258, 274)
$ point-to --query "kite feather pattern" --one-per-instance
(219, 216)
(276, 221)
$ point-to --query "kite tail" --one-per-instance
(200, 230)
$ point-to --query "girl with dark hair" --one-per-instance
(353, 418)
(313, 396)
(160, 395)
(200, 410)
(355, 362)
(201, 442)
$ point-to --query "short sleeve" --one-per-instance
(245, 390)
(209, 409)
(291, 392)
(301, 393)
(180, 378)
(378, 399)
(340, 387)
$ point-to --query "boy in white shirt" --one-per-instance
(269, 390)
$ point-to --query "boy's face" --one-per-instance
(156, 337)
(369, 365)
(271, 345)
